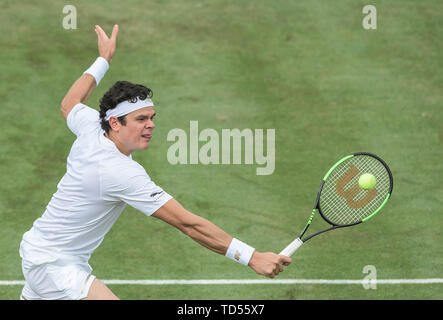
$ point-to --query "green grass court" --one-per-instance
(307, 69)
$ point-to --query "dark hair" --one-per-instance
(119, 92)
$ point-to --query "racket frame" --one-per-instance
(317, 206)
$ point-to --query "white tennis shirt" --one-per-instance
(99, 182)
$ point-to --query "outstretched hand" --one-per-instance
(268, 264)
(106, 46)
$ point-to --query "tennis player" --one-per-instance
(101, 178)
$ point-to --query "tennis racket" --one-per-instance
(340, 200)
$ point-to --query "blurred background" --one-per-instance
(308, 69)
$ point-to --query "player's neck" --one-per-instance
(118, 144)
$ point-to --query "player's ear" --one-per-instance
(114, 123)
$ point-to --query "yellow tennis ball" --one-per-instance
(367, 181)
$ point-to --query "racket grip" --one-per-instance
(292, 247)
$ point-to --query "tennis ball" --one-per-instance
(367, 181)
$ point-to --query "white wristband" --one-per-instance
(239, 252)
(98, 69)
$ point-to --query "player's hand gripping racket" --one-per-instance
(343, 200)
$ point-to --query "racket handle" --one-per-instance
(292, 247)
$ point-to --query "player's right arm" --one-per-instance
(83, 87)
(214, 238)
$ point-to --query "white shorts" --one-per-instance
(51, 281)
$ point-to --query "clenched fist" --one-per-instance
(268, 264)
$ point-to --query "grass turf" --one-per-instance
(306, 69)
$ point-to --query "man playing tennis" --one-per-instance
(101, 178)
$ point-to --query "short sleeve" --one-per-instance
(82, 119)
(133, 186)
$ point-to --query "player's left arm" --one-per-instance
(83, 87)
(214, 238)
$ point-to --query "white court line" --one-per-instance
(251, 281)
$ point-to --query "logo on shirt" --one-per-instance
(156, 193)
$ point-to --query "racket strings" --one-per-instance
(342, 201)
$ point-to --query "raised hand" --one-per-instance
(106, 46)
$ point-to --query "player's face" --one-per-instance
(137, 132)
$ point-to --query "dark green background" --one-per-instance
(307, 69)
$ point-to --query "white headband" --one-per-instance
(126, 107)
